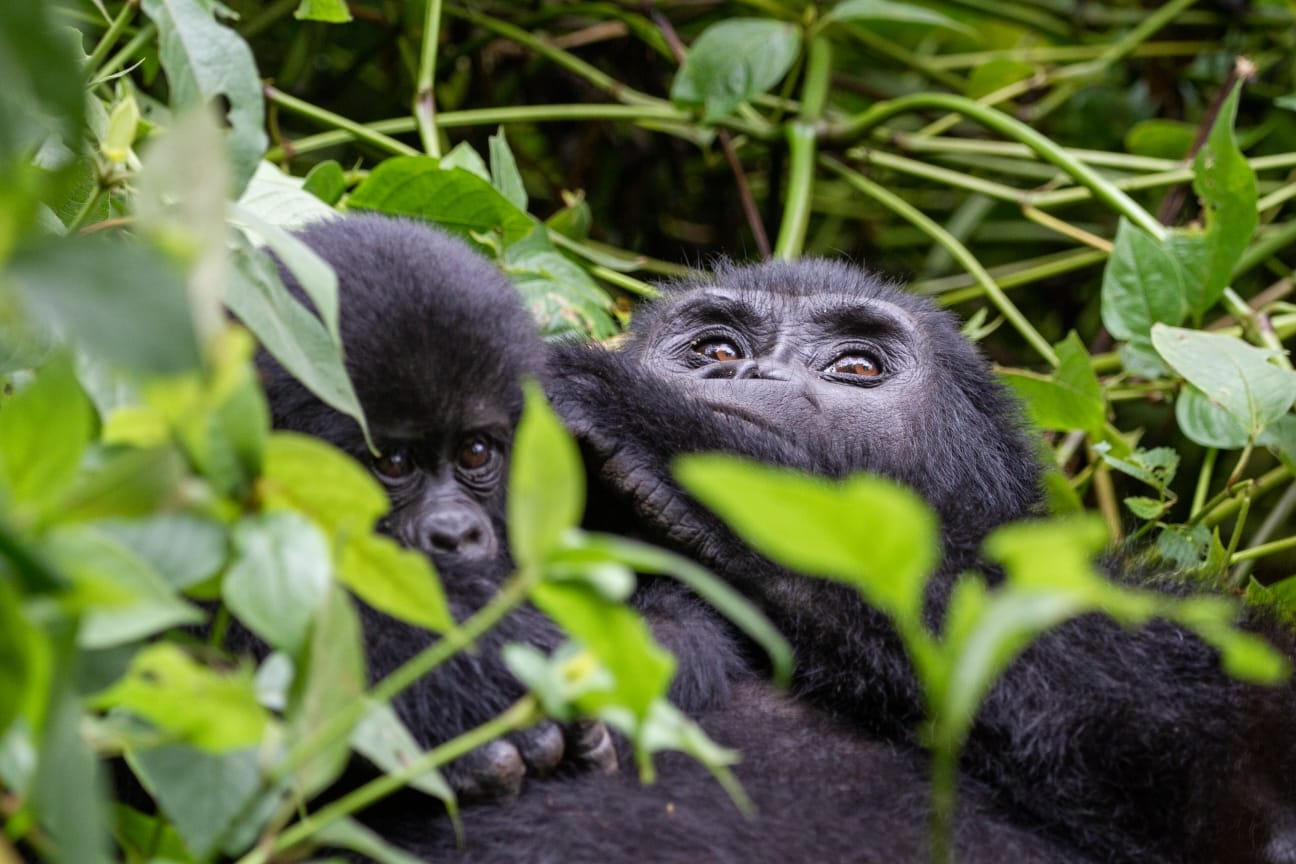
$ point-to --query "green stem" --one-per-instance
(109, 39)
(1203, 481)
(1276, 517)
(339, 724)
(521, 714)
(960, 287)
(1264, 549)
(1103, 189)
(802, 147)
(923, 223)
(83, 214)
(267, 18)
(1222, 507)
(493, 117)
(944, 799)
(425, 91)
(592, 75)
(142, 37)
(800, 188)
(328, 118)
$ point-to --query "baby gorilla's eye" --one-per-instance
(856, 365)
(715, 348)
(394, 465)
(475, 452)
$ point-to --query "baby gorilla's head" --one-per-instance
(436, 344)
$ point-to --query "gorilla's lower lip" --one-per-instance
(750, 417)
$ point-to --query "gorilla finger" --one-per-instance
(590, 745)
(489, 774)
(542, 747)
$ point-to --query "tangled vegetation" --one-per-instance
(1103, 191)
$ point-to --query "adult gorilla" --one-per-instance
(1125, 745)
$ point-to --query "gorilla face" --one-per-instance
(445, 488)
(814, 365)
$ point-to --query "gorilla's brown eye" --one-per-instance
(715, 349)
(394, 465)
(855, 364)
(474, 453)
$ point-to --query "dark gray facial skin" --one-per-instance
(835, 366)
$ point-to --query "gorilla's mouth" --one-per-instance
(751, 418)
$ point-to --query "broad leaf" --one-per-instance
(44, 430)
(399, 582)
(291, 333)
(865, 531)
(307, 475)
(207, 63)
(546, 483)
(560, 295)
(96, 290)
(1070, 398)
(210, 710)
(1237, 377)
(504, 171)
(1142, 285)
(734, 60)
(279, 577)
(455, 199)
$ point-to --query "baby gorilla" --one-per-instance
(436, 343)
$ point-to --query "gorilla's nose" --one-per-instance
(466, 537)
(747, 369)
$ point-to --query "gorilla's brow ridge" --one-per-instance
(854, 317)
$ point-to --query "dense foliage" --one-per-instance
(1102, 190)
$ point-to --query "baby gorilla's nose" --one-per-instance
(463, 535)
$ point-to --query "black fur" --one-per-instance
(436, 344)
(1130, 746)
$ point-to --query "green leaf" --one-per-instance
(1280, 438)
(148, 836)
(279, 577)
(350, 834)
(462, 155)
(330, 11)
(1233, 375)
(1069, 398)
(1161, 139)
(1186, 547)
(134, 601)
(124, 483)
(184, 550)
(326, 181)
(313, 274)
(546, 482)
(382, 738)
(1142, 285)
(718, 595)
(15, 655)
(455, 199)
(44, 89)
(201, 793)
(283, 200)
(331, 676)
(885, 10)
(1226, 185)
(996, 74)
(641, 670)
(504, 171)
(1155, 467)
(207, 63)
(68, 790)
(307, 475)
(397, 581)
(95, 290)
(560, 295)
(889, 563)
(213, 711)
(734, 60)
(1206, 422)
(44, 430)
(291, 333)
(1147, 508)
